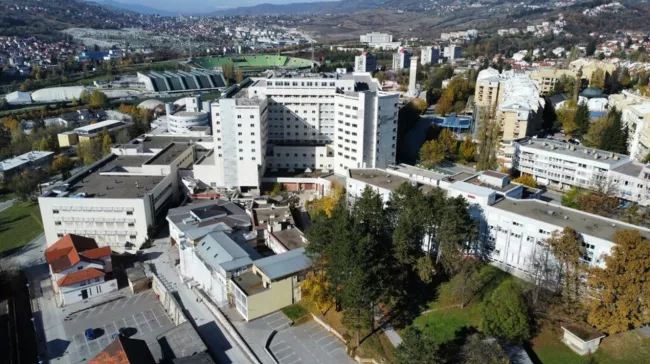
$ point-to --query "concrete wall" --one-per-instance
(169, 303)
(279, 295)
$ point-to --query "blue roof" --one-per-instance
(453, 121)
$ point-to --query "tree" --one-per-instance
(564, 85)
(420, 104)
(570, 199)
(89, 151)
(489, 140)
(447, 141)
(597, 130)
(327, 203)
(416, 347)
(621, 290)
(467, 150)
(24, 184)
(84, 97)
(567, 248)
(431, 154)
(107, 143)
(122, 137)
(239, 75)
(314, 289)
(445, 104)
(615, 135)
(505, 315)
(598, 79)
(464, 285)
(526, 180)
(456, 234)
(591, 48)
(478, 350)
(601, 199)
(98, 100)
(62, 164)
(276, 190)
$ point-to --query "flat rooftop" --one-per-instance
(412, 170)
(93, 184)
(169, 154)
(250, 283)
(316, 173)
(574, 151)
(552, 214)
(97, 127)
(476, 180)
(378, 178)
(462, 176)
(18, 161)
(161, 141)
(284, 265)
(290, 238)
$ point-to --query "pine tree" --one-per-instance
(505, 314)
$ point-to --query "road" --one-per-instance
(7, 204)
(225, 348)
(29, 255)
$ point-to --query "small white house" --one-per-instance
(582, 339)
(79, 269)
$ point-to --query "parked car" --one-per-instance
(90, 334)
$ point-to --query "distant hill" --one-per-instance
(136, 8)
(319, 8)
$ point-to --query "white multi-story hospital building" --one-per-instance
(325, 122)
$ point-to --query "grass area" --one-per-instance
(19, 225)
(210, 96)
(295, 312)
(7, 197)
(624, 348)
(442, 324)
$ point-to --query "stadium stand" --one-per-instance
(252, 62)
(195, 79)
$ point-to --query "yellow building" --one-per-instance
(272, 284)
(546, 78)
(67, 139)
(589, 66)
(515, 99)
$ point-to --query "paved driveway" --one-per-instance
(308, 343)
(142, 313)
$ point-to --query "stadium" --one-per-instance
(253, 63)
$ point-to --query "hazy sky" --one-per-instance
(185, 5)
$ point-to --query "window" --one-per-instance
(132, 236)
(129, 213)
(131, 224)
(55, 211)
(59, 235)
(238, 116)
(57, 223)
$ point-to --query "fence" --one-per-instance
(171, 306)
(328, 328)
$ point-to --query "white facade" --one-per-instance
(452, 52)
(375, 38)
(402, 59)
(183, 121)
(117, 199)
(365, 63)
(87, 289)
(300, 123)
(430, 55)
(637, 119)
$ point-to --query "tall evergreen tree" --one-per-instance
(614, 137)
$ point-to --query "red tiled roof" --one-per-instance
(124, 351)
(97, 252)
(80, 276)
(65, 253)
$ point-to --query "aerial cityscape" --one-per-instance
(342, 181)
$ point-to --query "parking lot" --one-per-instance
(306, 343)
(142, 315)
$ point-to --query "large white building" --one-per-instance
(187, 120)
(379, 40)
(562, 165)
(512, 229)
(324, 122)
(402, 59)
(117, 199)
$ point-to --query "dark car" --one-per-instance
(90, 334)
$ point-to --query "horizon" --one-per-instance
(203, 5)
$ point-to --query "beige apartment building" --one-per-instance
(546, 78)
(589, 66)
(515, 100)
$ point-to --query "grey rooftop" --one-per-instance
(582, 222)
(378, 178)
(283, 265)
(217, 249)
(574, 151)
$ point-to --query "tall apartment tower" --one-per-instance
(430, 55)
(413, 77)
(366, 62)
(452, 52)
(402, 59)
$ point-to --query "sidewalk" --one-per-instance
(221, 345)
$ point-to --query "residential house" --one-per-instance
(80, 269)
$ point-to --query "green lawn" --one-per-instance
(19, 225)
(7, 197)
(443, 324)
(295, 312)
(624, 348)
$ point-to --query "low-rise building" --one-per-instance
(87, 132)
(117, 199)
(79, 269)
(30, 160)
(546, 78)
